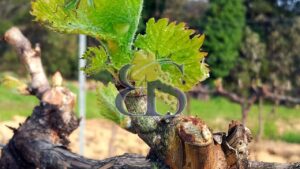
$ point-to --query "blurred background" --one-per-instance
(253, 46)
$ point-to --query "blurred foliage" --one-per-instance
(12, 12)
(59, 51)
(223, 25)
(253, 53)
(251, 64)
(279, 29)
(188, 11)
(283, 55)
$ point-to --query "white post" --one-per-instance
(82, 93)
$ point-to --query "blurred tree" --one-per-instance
(152, 9)
(264, 15)
(59, 51)
(284, 58)
(269, 55)
(189, 11)
(224, 26)
(252, 61)
(277, 27)
(245, 77)
(276, 22)
(250, 68)
(11, 13)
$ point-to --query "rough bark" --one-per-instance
(176, 142)
(42, 141)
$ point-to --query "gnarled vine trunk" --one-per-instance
(178, 142)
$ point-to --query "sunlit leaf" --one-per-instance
(145, 67)
(181, 46)
(96, 59)
(113, 21)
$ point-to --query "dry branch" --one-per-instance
(31, 59)
(262, 91)
(277, 97)
(178, 142)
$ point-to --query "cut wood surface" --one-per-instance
(177, 142)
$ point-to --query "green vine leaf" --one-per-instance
(106, 96)
(181, 46)
(96, 60)
(114, 22)
(145, 67)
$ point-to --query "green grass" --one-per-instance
(270, 130)
(11, 103)
(291, 137)
(217, 112)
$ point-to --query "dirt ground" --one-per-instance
(104, 139)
